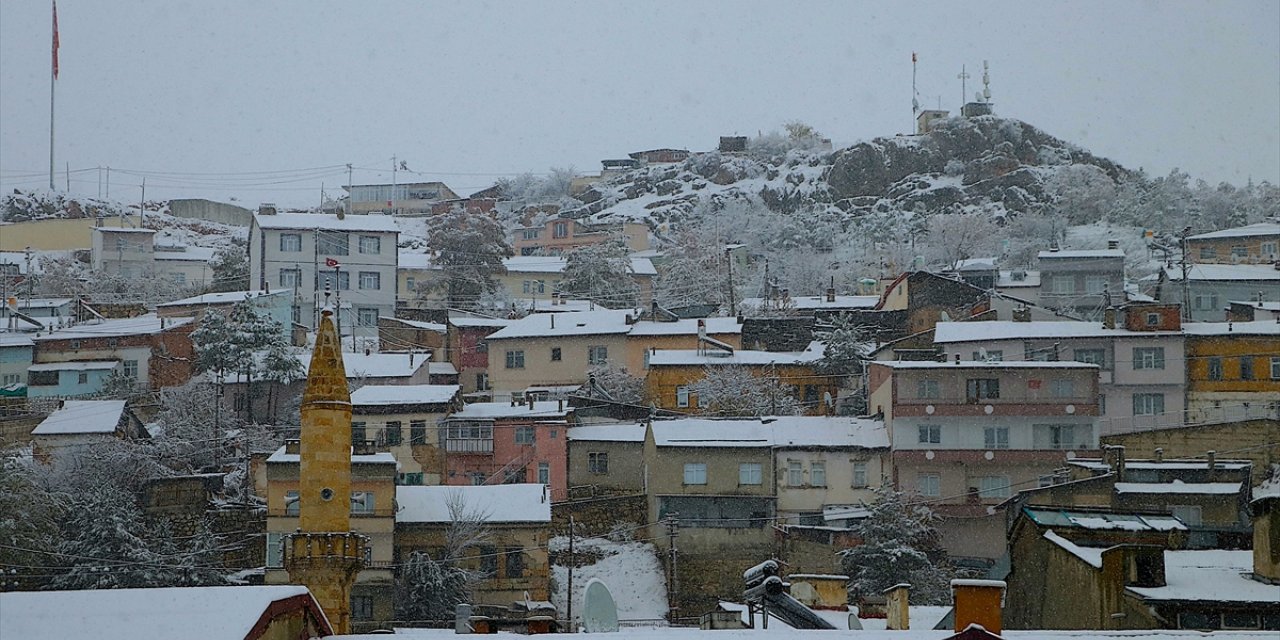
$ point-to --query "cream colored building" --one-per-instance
(404, 421)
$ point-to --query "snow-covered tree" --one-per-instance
(29, 515)
(281, 368)
(847, 346)
(601, 272)
(615, 381)
(733, 390)
(469, 248)
(105, 544)
(429, 589)
(192, 426)
(900, 543)
(960, 236)
(231, 267)
(235, 344)
(696, 273)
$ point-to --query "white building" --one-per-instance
(355, 256)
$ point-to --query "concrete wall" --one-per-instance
(220, 212)
(1254, 440)
(55, 235)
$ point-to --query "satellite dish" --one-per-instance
(599, 612)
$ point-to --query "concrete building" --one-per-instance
(155, 351)
(414, 198)
(967, 434)
(1082, 281)
(1251, 244)
(1209, 288)
(354, 257)
(132, 253)
(559, 236)
(671, 373)
(508, 443)
(405, 421)
(1233, 370)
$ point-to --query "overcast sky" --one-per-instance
(465, 92)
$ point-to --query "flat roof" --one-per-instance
(983, 364)
(384, 394)
(497, 503)
(1082, 253)
(228, 297)
(82, 416)
(1258, 229)
(946, 332)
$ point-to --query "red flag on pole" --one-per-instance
(55, 39)
(330, 262)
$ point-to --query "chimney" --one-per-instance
(1213, 466)
(831, 290)
(1120, 463)
(1109, 318)
(897, 607)
(531, 401)
(957, 358)
(978, 602)
(513, 401)
(1113, 244)
(1159, 454)
(553, 320)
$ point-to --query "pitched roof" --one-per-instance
(148, 324)
(984, 364)
(328, 222)
(495, 503)
(1179, 487)
(746, 357)
(574, 323)
(81, 417)
(1081, 253)
(383, 394)
(1254, 328)
(686, 327)
(945, 332)
(382, 457)
(228, 297)
(778, 431)
(493, 410)
(1259, 229)
(1224, 272)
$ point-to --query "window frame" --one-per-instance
(859, 470)
(598, 462)
(795, 473)
(928, 434)
(295, 244)
(1148, 358)
(929, 484)
(525, 435)
(365, 241)
(515, 359)
(597, 354)
(367, 316)
(369, 281)
(1148, 401)
(817, 473)
(995, 437)
(750, 474)
(695, 474)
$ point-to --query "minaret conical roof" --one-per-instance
(327, 377)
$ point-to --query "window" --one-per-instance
(1189, 514)
(695, 473)
(367, 316)
(370, 280)
(555, 354)
(362, 502)
(682, 396)
(1148, 404)
(1148, 358)
(409, 284)
(818, 474)
(527, 286)
(1091, 356)
(1153, 319)
(529, 234)
(995, 437)
(544, 473)
(361, 607)
(331, 243)
(1095, 284)
(1275, 367)
(598, 462)
(1064, 285)
(357, 432)
(327, 282)
(290, 278)
(929, 485)
(131, 369)
(560, 230)
(514, 557)
(928, 388)
(1062, 436)
(411, 479)
(750, 473)
(525, 435)
(75, 344)
(10, 378)
(930, 434)
(795, 473)
(993, 486)
(370, 244)
(1239, 251)
(417, 432)
(290, 242)
(82, 378)
(482, 382)
(1208, 253)
(859, 475)
(179, 278)
(392, 433)
(1199, 620)
(488, 560)
(43, 378)
(1062, 388)
(1246, 367)
(597, 354)
(291, 503)
(982, 389)
(275, 550)
(540, 286)
(515, 359)
(1239, 620)
(1204, 302)
(1215, 368)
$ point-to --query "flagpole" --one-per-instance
(53, 77)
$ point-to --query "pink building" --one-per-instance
(514, 442)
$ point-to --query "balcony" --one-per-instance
(469, 445)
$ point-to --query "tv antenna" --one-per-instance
(986, 82)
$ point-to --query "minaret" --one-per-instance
(324, 555)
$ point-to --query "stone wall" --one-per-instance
(200, 209)
(1255, 440)
(598, 515)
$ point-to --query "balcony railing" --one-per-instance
(468, 445)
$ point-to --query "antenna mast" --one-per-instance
(915, 95)
(986, 82)
(964, 88)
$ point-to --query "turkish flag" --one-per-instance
(330, 262)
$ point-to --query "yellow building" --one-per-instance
(1233, 370)
(671, 374)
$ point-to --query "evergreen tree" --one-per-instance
(468, 249)
(231, 267)
(105, 546)
(430, 590)
(899, 544)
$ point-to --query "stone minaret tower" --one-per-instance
(324, 555)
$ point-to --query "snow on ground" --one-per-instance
(688, 633)
(630, 569)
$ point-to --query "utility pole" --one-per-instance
(392, 203)
(569, 599)
(673, 582)
(1186, 279)
(108, 194)
(142, 205)
(350, 193)
(30, 274)
(728, 259)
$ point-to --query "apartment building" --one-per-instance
(508, 443)
(1233, 370)
(76, 361)
(353, 257)
(404, 420)
(966, 434)
(671, 373)
(1082, 281)
(559, 236)
(1251, 244)
(1208, 289)
(413, 198)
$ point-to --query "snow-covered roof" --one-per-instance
(142, 325)
(1007, 281)
(442, 369)
(210, 613)
(187, 254)
(1213, 575)
(945, 332)
(494, 410)
(686, 327)
(779, 431)
(1172, 465)
(476, 321)
(498, 503)
(1091, 555)
(15, 339)
(535, 264)
(43, 303)
(576, 323)
(713, 357)
(416, 324)
(976, 264)
(328, 221)
(1100, 520)
(642, 266)
(82, 416)
(124, 230)
(75, 365)
(984, 364)
(1224, 272)
(377, 365)
(1082, 253)
(1260, 305)
(384, 394)
(228, 297)
(413, 260)
(1258, 229)
(820, 302)
(1180, 487)
(1254, 328)
(381, 457)
(559, 306)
